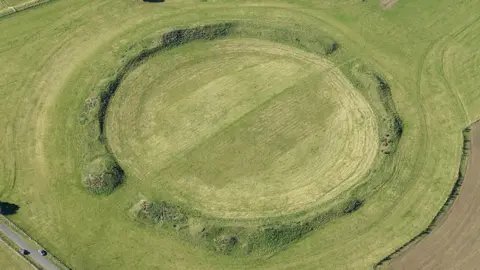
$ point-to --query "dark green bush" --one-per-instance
(397, 125)
(331, 48)
(207, 32)
(382, 84)
(353, 206)
(282, 235)
(395, 122)
(8, 208)
(158, 212)
(102, 175)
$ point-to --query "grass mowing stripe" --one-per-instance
(390, 207)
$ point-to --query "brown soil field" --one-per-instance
(455, 242)
(388, 3)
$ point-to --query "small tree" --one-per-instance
(353, 206)
(331, 48)
(8, 208)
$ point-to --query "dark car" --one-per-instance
(42, 252)
(23, 251)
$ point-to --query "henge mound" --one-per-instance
(102, 175)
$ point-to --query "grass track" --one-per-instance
(72, 33)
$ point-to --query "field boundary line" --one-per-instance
(449, 201)
(15, 228)
(465, 152)
(10, 10)
(12, 246)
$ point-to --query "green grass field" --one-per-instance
(258, 129)
(10, 260)
(182, 133)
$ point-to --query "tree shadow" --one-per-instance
(8, 208)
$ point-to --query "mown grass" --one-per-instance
(448, 202)
(102, 174)
(266, 34)
(43, 95)
(266, 238)
(11, 261)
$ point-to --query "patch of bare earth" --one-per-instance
(455, 243)
(388, 3)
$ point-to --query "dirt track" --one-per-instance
(455, 243)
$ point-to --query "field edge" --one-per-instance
(445, 207)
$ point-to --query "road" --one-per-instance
(34, 255)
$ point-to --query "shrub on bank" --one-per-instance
(158, 212)
(102, 175)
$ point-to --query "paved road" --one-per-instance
(39, 259)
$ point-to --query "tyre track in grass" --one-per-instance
(452, 231)
(455, 243)
(437, 48)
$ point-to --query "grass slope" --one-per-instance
(11, 261)
(414, 45)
